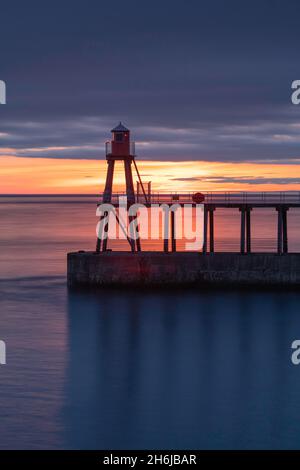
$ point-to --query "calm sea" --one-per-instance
(129, 369)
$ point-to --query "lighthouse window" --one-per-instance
(119, 137)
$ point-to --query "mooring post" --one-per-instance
(248, 228)
(284, 230)
(205, 229)
(173, 236)
(242, 211)
(279, 230)
(211, 229)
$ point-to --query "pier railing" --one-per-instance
(228, 198)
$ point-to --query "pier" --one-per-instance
(169, 266)
(245, 202)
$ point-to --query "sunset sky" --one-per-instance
(61, 176)
(205, 93)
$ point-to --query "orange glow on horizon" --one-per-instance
(60, 176)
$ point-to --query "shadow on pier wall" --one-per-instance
(183, 370)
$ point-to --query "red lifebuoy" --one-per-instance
(198, 198)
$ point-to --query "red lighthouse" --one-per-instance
(120, 148)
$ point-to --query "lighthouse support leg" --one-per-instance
(129, 182)
(109, 181)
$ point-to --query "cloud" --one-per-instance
(84, 138)
(241, 180)
(198, 81)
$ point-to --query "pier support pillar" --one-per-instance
(279, 230)
(138, 240)
(242, 244)
(166, 231)
(173, 235)
(248, 229)
(211, 229)
(105, 232)
(205, 215)
(282, 232)
(245, 244)
(100, 235)
(135, 241)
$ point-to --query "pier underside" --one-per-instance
(117, 268)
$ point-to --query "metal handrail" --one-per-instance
(224, 197)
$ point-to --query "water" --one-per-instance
(128, 369)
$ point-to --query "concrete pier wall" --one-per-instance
(156, 268)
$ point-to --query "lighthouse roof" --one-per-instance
(120, 128)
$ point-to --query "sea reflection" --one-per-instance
(182, 370)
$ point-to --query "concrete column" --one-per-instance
(211, 230)
(242, 247)
(279, 230)
(173, 239)
(284, 230)
(205, 229)
(248, 229)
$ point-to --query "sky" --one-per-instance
(204, 87)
